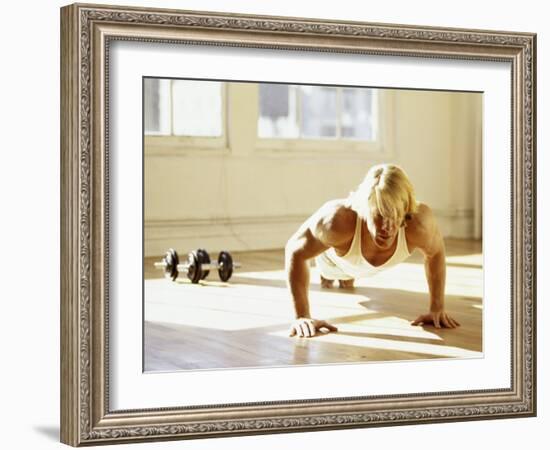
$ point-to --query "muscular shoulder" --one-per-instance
(421, 221)
(422, 230)
(334, 223)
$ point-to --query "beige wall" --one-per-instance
(246, 197)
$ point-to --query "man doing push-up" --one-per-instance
(376, 227)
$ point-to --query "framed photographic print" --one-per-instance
(285, 224)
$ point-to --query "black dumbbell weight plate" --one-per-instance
(194, 272)
(204, 258)
(225, 262)
(171, 268)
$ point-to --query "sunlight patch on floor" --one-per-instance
(401, 327)
(461, 281)
(278, 275)
(353, 335)
(238, 306)
(388, 325)
(475, 259)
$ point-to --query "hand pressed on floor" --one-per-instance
(306, 327)
(439, 319)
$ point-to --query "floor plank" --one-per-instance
(244, 323)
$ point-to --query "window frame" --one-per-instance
(382, 146)
(156, 143)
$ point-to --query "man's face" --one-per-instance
(382, 230)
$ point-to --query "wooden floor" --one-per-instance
(244, 323)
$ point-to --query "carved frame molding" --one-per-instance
(86, 32)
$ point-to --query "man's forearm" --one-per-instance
(435, 274)
(298, 281)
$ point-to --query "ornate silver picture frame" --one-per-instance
(87, 33)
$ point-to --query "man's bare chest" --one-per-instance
(374, 255)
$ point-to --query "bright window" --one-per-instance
(317, 112)
(183, 108)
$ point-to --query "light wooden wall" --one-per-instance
(246, 197)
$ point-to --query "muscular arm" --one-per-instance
(433, 248)
(299, 250)
(320, 232)
(430, 242)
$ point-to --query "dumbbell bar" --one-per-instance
(198, 265)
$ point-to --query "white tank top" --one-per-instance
(353, 262)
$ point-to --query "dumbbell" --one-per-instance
(169, 264)
(171, 261)
(198, 265)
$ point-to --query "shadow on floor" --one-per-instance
(184, 347)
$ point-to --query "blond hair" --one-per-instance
(386, 190)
